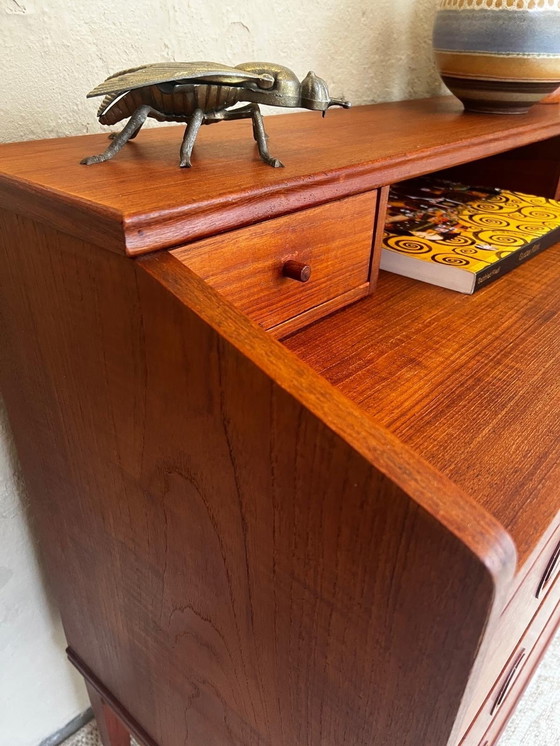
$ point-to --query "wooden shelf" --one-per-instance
(471, 383)
(142, 201)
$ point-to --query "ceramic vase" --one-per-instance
(498, 56)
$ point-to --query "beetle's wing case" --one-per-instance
(169, 72)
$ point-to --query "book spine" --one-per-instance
(486, 276)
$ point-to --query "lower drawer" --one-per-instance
(289, 270)
(524, 604)
(515, 692)
(503, 695)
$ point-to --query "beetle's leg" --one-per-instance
(260, 136)
(244, 112)
(189, 137)
(133, 124)
(253, 111)
(114, 135)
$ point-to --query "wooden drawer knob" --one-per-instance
(296, 270)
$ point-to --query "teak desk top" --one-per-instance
(141, 200)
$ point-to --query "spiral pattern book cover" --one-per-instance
(463, 237)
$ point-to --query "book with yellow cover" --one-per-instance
(463, 237)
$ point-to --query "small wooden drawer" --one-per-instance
(250, 266)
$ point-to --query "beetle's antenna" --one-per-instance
(340, 102)
(337, 102)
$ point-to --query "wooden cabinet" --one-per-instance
(283, 509)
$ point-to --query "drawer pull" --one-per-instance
(502, 694)
(296, 270)
(551, 568)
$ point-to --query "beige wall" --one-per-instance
(51, 53)
(54, 51)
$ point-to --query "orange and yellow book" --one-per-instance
(463, 237)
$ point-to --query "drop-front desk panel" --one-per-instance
(283, 501)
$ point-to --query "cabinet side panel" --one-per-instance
(227, 566)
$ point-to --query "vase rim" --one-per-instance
(511, 5)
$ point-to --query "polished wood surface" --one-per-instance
(257, 543)
(142, 201)
(470, 382)
(317, 312)
(238, 556)
(247, 266)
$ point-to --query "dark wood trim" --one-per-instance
(378, 231)
(119, 711)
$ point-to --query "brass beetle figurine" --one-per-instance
(201, 93)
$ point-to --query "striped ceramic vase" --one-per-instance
(498, 56)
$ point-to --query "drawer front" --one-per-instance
(251, 266)
(511, 690)
(523, 657)
(528, 597)
(536, 584)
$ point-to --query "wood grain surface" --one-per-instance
(142, 201)
(239, 555)
(262, 544)
(470, 382)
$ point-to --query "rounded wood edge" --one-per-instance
(473, 526)
(72, 215)
(91, 217)
(146, 234)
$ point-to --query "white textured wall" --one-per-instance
(38, 694)
(51, 53)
